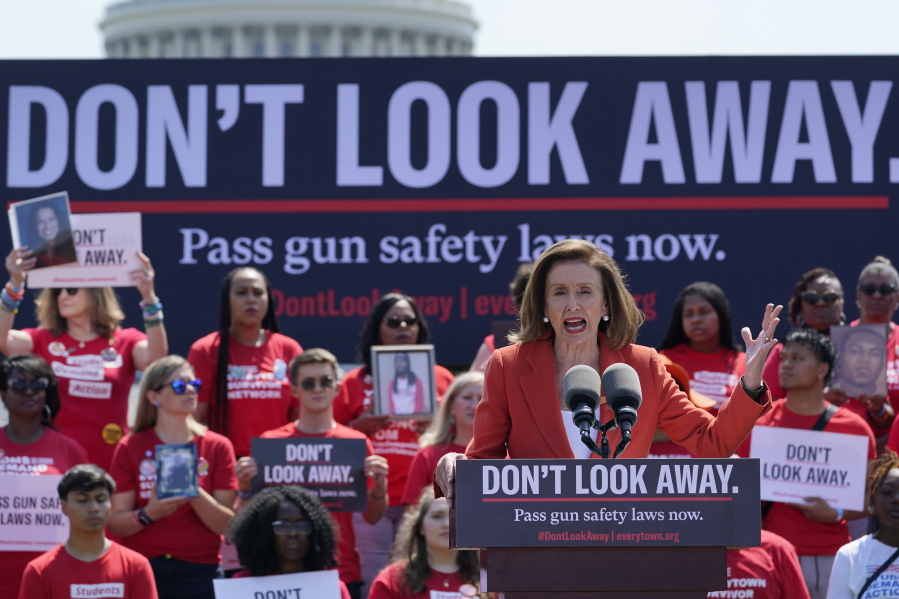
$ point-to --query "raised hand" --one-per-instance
(757, 349)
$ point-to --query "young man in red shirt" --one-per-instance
(313, 380)
(88, 564)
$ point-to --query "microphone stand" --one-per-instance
(603, 450)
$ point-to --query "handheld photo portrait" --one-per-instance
(404, 381)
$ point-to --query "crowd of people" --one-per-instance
(65, 385)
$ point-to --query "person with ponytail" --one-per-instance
(31, 396)
(245, 363)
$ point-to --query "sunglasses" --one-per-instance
(394, 322)
(69, 290)
(20, 386)
(326, 382)
(813, 297)
(884, 289)
(179, 386)
(285, 528)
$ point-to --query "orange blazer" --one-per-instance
(520, 412)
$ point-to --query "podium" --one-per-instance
(610, 529)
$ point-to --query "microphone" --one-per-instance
(581, 386)
(623, 396)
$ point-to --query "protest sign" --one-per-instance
(798, 463)
(30, 514)
(44, 225)
(107, 246)
(331, 469)
(305, 585)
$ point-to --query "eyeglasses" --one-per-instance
(394, 322)
(285, 528)
(813, 297)
(20, 386)
(884, 289)
(179, 386)
(326, 382)
(69, 290)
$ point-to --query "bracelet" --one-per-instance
(11, 304)
(839, 514)
(143, 518)
(149, 323)
(14, 289)
(244, 495)
(882, 415)
(16, 294)
(135, 520)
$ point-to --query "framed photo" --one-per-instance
(176, 471)
(44, 224)
(861, 367)
(404, 380)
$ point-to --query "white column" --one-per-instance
(396, 42)
(334, 41)
(239, 42)
(271, 41)
(421, 48)
(303, 41)
(368, 41)
(206, 49)
(153, 48)
(179, 43)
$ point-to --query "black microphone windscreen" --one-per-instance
(622, 385)
(581, 383)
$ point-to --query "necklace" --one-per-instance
(446, 577)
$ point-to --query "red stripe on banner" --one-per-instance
(604, 499)
(485, 204)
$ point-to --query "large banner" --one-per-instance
(347, 179)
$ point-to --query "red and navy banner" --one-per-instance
(346, 179)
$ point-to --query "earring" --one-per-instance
(605, 318)
(157, 403)
(48, 414)
(842, 319)
(545, 319)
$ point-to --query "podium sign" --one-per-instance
(606, 503)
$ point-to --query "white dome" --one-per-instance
(276, 28)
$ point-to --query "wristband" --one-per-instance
(753, 393)
(143, 518)
(244, 495)
(135, 520)
(882, 414)
(839, 514)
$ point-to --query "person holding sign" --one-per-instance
(181, 536)
(423, 565)
(285, 530)
(54, 243)
(94, 358)
(816, 529)
(28, 443)
(577, 310)
(88, 564)
(245, 363)
(394, 320)
(700, 338)
(451, 430)
(313, 380)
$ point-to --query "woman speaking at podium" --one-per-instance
(577, 310)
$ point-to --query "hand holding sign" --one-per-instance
(18, 262)
(376, 468)
(816, 510)
(246, 470)
(144, 278)
(157, 509)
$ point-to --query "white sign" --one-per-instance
(306, 585)
(107, 246)
(30, 515)
(798, 463)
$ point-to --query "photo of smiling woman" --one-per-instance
(52, 241)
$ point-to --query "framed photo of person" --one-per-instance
(861, 367)
(404, 380)
(176, 471)
(44, 224)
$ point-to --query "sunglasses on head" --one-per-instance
(285, 528)
(180, 386)
(20, 386)
(69, 290)
(308, 384)
(813, 297)
(872, 289)
(394, 322)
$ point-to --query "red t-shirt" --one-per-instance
(259, 396)
(120, 572)
(344, 592)
(397, 442)
(94, 383)
(809, 538)
(348, 556)
(389, 585)
(181, 535)
(714, 375)
(769, 571)
(421, 472)
(53, 453)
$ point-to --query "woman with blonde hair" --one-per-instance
(81, 337)
(451, 430)
(180, 536)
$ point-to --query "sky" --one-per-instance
(554, 27)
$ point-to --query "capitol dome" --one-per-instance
(287, 28)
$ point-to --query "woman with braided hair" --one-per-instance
(867, 568)
(285, 530)
(245, 362)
